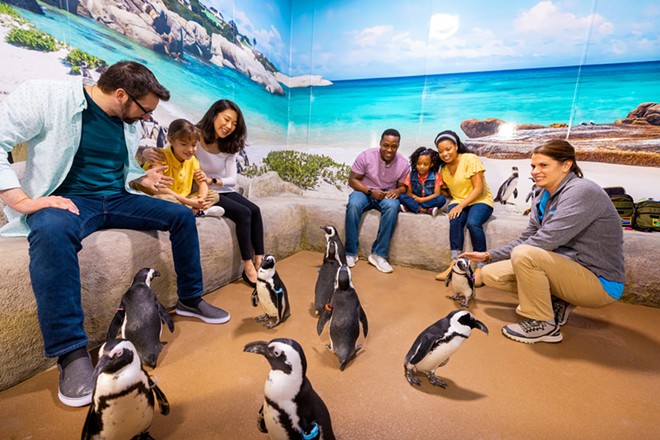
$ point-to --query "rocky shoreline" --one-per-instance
(634, 140)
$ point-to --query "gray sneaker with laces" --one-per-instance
(208, 313)
(531, 331)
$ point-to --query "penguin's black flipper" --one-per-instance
(469, 274)
(515, 193)
(323, 319)
(448, 279)
(261, 424)
(91, 426)
(363, 320)
(116, 323)
(160, 397)
(255, 298)
(420, 347)
(166, 317)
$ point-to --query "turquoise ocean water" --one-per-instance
(342, 119)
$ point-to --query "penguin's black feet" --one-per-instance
(272, 324)
(456, 296)
(465, 302)
(436, 381)
(411, 378)
(76, 378)
(262, 318)
(329, 347)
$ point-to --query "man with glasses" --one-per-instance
(81, 147)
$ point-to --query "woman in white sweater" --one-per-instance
(223, 136)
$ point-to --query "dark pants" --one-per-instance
(55, 240)
(473, 217)
(249, 227)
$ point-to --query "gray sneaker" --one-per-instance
(351, 260)
(562, 309)
(206, 312)
(530, 331)
(380, 263)
(76, 382)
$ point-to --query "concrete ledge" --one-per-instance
(110, 259)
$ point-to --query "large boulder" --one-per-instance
(474, 128)
(33, 6)
(645, 113)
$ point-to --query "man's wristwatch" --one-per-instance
(369, 192)
(214, 180)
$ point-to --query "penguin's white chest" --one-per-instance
(508, 191)
(281, 389)
(126, 416)
(268, 306)
(459, 283)
(439, 355)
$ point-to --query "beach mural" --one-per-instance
(327, 77)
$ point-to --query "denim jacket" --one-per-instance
(429, 184)
(48, 116)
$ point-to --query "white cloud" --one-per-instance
(372, 36)
(546, 19)
(443, 26)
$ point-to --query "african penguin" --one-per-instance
(325, 283)
(271, 293)
(531, 195)
(345, 314)
(461, 278)
(123, 398)
(331, 235)
(140, 316)
(434, 346)
(291, 408)
(508, 188)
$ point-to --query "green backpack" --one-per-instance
(647, 216)
(625, 206)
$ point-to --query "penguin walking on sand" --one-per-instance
(291, 408)
(123, 398)
(331, 235)
(271, 293)
(461, 278)
(325, 283)
(140, 317)
(435, 345)
(508, 188)
(345, 314)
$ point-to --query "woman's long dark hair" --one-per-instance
(233, 143)
(561, 151)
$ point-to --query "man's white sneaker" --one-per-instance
(380, 263)
(351, 260)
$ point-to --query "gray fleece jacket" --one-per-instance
(581, 223)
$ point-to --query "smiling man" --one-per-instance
(81, 144)
(377, 177)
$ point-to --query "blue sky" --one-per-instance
(384, 38)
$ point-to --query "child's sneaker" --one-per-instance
(434, 212)
(403, 208)
(215, 211)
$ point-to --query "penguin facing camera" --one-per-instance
(325, 283)
(123, 398)
(140, 317)
(508, 188)
(291, 408)
(435, 345)
(271, 293)
(461, 278)
(331, 235)
(345, 314)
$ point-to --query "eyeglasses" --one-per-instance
(146, 112)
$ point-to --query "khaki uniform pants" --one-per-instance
(533, 275)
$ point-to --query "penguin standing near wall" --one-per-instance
(435, 345)
(508, 188)
(271, 293)
(140, 316)
(331, 235)
(461, 278)
(123, 398)
(291, 408)
(325, 283)
(345, 314)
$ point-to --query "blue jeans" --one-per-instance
(55, 240)
(474, 217)
(358, 204)
(413, 206)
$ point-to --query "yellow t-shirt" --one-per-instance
(181, 172)
(460, 184)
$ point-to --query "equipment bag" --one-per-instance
(647, 216)
(625, 206)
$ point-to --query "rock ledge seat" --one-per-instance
(110, 258)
